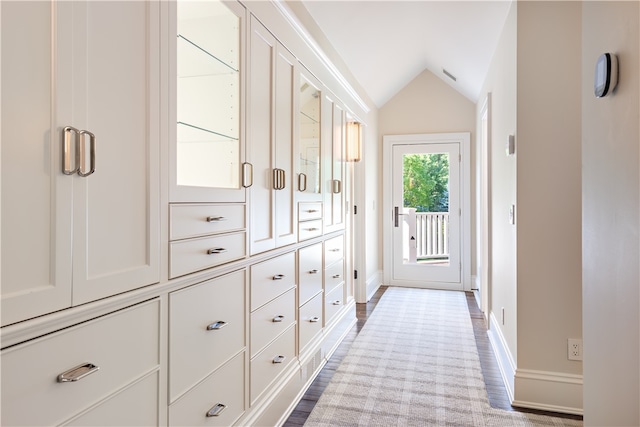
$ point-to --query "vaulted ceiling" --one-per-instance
(387, 43)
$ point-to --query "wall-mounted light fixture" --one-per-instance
(354, 141)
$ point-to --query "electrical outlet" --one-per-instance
(574, 349)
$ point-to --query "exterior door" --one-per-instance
(423, 197)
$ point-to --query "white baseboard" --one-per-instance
(372, 285)
(548, 391)
(503, 356)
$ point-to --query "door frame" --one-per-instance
(464, 139)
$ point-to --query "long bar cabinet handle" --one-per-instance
(247, 175)
(77, 373)
(92, 153)
(216, 218)
(302, 182)
(69, 147)
(216, 410)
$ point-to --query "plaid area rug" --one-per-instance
(415, 363)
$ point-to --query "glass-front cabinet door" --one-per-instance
(207, 153)
(309, 165)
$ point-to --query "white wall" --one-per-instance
(611, 216)
(429, 105)
(501, 83)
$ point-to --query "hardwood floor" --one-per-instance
(496, 391)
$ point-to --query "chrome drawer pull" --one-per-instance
(217, 325)
(336, 276)
(278, 277)
(312, 210)
(336, 302)
(278, 359)
(77, 373)
(216, 218)
(216, 410)
(278, 319)
(314, 319)
(214, 251)
(313, 229)
(334, 250)
(314, 271)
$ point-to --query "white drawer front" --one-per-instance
(333, 250)
(264, 368)
(309, 272)
(310, 321)
(222, 392)
(206, 328)
(309, 210)
(270, 320)
(334, 301)
(272, 278)
(309, 229)
(201, 220)
(333, 276)
(136, 405)
(187, 256)
(123, 345)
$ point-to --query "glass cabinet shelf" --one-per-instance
(192, 133)
(194, 60)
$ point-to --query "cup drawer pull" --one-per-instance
(217, 325)
(278, 319)
(216, 410)
(278, 277)
(314, 319)
(77, 373)
(214, 251)
(216, 218)
(279, 359)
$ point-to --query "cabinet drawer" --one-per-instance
(309, 229)
(270, 320)
(136, 405)
(333, 250)
(307, 211)
(333, 276)
(267, 365)
(272, 278)
(206, 328)
(333, 303)
(309, 272)
(310, 321)
(187, 256)
(223, 390)
(201, 220)
(123, 345)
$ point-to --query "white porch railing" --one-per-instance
(427, 234)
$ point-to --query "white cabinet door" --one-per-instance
(36, 196)
(272, 79)
(69, 239)
(333, 126)
(116, 86)
(207, 102)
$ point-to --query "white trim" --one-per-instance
(371, 286)
(315, 48)
(549, 391)
(464, 139)
(504, 358)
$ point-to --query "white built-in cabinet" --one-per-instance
(177, 144)
(80, 148)
(271, 118)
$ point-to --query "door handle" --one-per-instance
(396, 214)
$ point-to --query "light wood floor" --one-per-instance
(496, 391)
